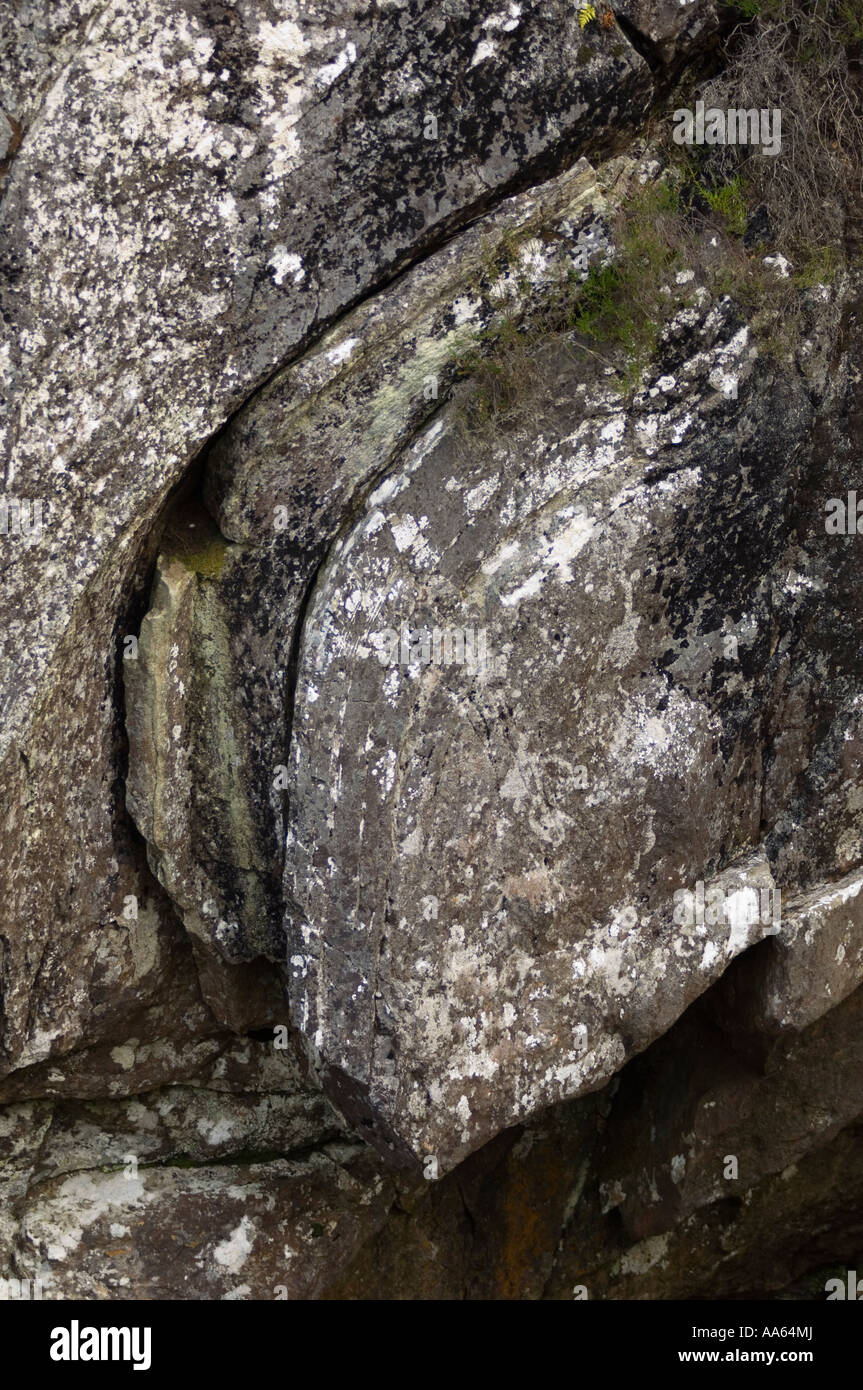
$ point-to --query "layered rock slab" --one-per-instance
(280, 1230)
(488, 873)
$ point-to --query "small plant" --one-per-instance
(729, 203)
(615, 315)
(750, 9)
(624, 305)
(675, 238)
(586, 15)
(502, 378)
(819, 267)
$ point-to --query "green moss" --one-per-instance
(500, 257)
(208, 561)
(762, 9)
(728, 201)
(750, 9)
(850, 18)
(192, 537)
(617, 314)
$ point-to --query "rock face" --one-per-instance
(665, 30)
(487, 852)
(399, 788)
(163, 255)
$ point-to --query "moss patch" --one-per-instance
(192, 537)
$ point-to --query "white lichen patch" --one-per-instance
(233, 1252)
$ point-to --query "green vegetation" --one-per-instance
(728, 201)
(820, 267)
(792, 55)
(706, 225)
(500, 371)
(753, 9)
(850, 19)
(192, 537)
(624, 305)
(674, 238)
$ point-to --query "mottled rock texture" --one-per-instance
(372, 770)
(199, 192)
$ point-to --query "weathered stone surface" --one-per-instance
(372, 1054)
(667, 30)
(487, 878)
(208, 695)
(692, 1102)
(42, 1140)
(220, 1062)
(489, 1230)
(810, 967)
(253, 106)
(667, 1216)
(561, 926)
(752, 1244)
(202, 842)
(198, 156)
(632, 1188)
(278, 1231)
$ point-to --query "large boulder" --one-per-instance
(195, 194)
